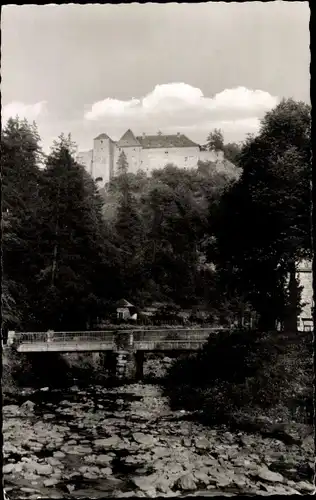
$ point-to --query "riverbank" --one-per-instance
(125, 441)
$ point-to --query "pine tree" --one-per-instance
(122, 164)
(72, 282)
(130, 239)
(20, 158)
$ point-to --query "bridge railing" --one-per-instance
(110, 336)
(170, 335)
(63, 337)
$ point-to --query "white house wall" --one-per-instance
(305, 278)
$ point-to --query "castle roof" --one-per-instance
(102, 136)
(128, 139)
(166, 141)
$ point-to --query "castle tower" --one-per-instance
(103, 159)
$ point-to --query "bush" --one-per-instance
(16, 371)
(48, 369)
(246, 373)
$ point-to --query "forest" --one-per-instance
(222, 238)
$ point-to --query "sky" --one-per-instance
(188, 68)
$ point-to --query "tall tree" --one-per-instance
(263, 226)
(122, 164)
(75, 257)
(20, 158)
(130, 240)
(215, 140)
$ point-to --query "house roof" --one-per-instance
(166, 141)
(124, 303)
(128, 139)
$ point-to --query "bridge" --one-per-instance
(120, 340)
(124, 350)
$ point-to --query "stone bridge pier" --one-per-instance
(127, 363)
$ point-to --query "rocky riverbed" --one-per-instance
(125, 441)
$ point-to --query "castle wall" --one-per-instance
(156, 158)
(133, 156)
(101, 161)
(85, 158)
(211, 156)
(112, 151)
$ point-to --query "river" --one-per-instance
(96, 441)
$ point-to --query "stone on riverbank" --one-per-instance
(111, 442)
(202, 444)
(144, 439)
(27, 407)
(186, 482)
(272, 477)
(50, 482)
(143, 435)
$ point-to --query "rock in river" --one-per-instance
(186, 482)
(111, 442)
(267, 475)
(144, 439)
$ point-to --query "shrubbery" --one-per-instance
(55, 370)
(246, 373)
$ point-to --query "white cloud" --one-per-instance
(28, 111)
(188, 103)
(172, 96)
(111, 107)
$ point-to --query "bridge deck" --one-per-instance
(137, 340)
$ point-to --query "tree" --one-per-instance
(74, 279)
(130, 240)
(122, 164)
(215, 141)
(20, 158)
(160, 226)
(21, 177)
(232, 152)
(263, 225)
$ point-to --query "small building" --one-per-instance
(125, 310)
(305, 278)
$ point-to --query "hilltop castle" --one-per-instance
(146, 153)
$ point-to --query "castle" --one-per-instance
(145, 153)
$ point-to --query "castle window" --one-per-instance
(166, 152)
(185, 158)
